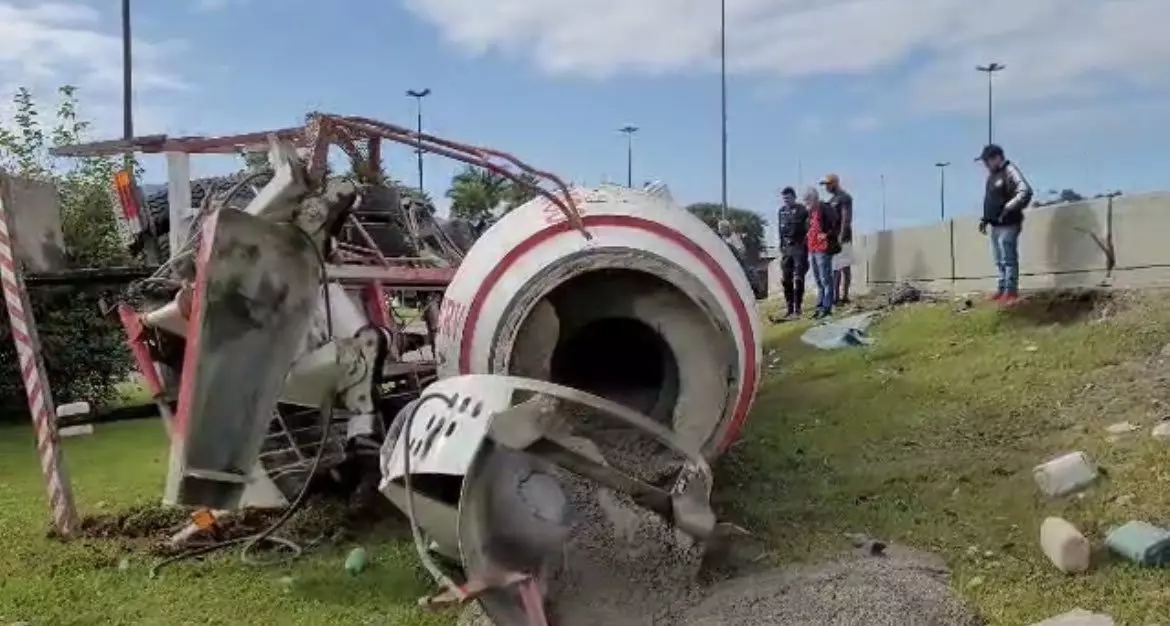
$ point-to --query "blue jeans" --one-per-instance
(1005, 249)
(822, 268)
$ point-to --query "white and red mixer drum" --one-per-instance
(651, 309)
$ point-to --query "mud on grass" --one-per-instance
(322, 520)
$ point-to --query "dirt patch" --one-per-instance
(141, 522)
(1065, 306)
(321, 520)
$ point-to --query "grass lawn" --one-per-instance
(929, 437)
(45, 582)
(926, 438)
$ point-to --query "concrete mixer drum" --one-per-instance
(652, 312)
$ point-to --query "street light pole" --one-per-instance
(418, 96)
(989, 69)
(723, 97)
(629, 132)
(942, 189)
(127, 75)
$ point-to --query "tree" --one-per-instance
(83, 350)
(475, 193)
(478, 194)
(748, 224)
(520, 193)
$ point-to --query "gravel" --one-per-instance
(625, 566)
(899, 588)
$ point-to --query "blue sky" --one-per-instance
(862, 88)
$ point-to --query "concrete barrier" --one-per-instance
(1067, 245)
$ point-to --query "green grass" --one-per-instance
(929, 437)
(45, 582)
(926, 438)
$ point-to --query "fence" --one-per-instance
(1122, 242)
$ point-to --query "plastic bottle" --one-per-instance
(1065, 546)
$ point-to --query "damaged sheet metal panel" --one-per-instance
(257, 286)
(35, 212)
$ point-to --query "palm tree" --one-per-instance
(476, 193)
(521, 192)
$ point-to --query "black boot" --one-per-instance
(798, 298)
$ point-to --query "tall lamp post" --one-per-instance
(942, 188)
(150, 245)
(723, 98)
(989, 69)
(127, 76)
(629, 132)
(418, 97)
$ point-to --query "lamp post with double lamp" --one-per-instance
(989, 69)
(942, 189)
(629, 132)
(418, 97)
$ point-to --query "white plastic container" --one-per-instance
(1065, 546)
(1065, 474)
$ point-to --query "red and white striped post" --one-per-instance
(32, 371)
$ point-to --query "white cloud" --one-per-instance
(1053, 48)
(49, 44)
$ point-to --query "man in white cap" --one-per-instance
(842, 204)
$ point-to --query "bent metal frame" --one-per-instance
(358, 267)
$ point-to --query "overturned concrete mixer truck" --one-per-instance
(601, 335)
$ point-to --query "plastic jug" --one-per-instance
(1065, 546)
(1141, 543)
(1065, 474)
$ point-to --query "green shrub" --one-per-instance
(84, 351)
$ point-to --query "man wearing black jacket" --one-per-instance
(793, 224)
(1007, 195)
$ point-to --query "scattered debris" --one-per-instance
(845, 333)
(1141, 543)
(905, 294)
(1162, 431)
(1065, 474)
(1065, 546)
(1031, 348)
(1078, 617)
